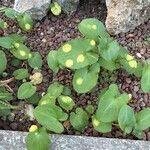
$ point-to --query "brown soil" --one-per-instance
(49, 34)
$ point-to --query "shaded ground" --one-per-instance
(50, 33)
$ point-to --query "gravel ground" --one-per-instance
(49, 34)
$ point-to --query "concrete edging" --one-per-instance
(14, 140)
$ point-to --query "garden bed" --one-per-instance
(49, 34)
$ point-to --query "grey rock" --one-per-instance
(124, 15)
(68, 6)
(37, 8)
(10, 140)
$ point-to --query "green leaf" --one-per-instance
(5, 96)
(47, 99)
(49, 116)
(38, 140)
(66, 91)
(82, 77)
(21, 74)
(139, 134)
(110, 103)
(66, 102)
(123, 99)
(26, 90)
(126, 119)
(16, 62)
(111, 91)
(52, 61)
(143, 119)
(79, 119)
(25, 22)
(109, 65)
(35, 61)
(9, 41)
(55, 89)
(34, 99)
(131, 66)
(108, 110)
(90, 109)
(4, 112)
(92, 28)
(145, 80)
(5, 105)
(3, 25)
(55, 8)
(11, 13)
(110, 51)
(3, 62)
(101, 126)
(76, 54)
(22, 52)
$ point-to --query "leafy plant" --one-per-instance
(110, 103)
(35, 61)
(21, 74)
(50, 117)
(79, 119)
(55, 8)
(5, 106)
(113, 108)
(85, 56)
(90, 109)
(37, 139)
(24, 20)
(26, 90)
(66, 102)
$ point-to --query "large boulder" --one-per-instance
(68, 6)
(37, 8)
(124, 15)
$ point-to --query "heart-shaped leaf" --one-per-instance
(126, 119)
(143, 119)
(50, 116)
(92, 28)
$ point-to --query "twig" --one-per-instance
(5, 84)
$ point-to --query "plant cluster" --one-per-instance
(24, 20)
(85, 57)
(14, 45)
